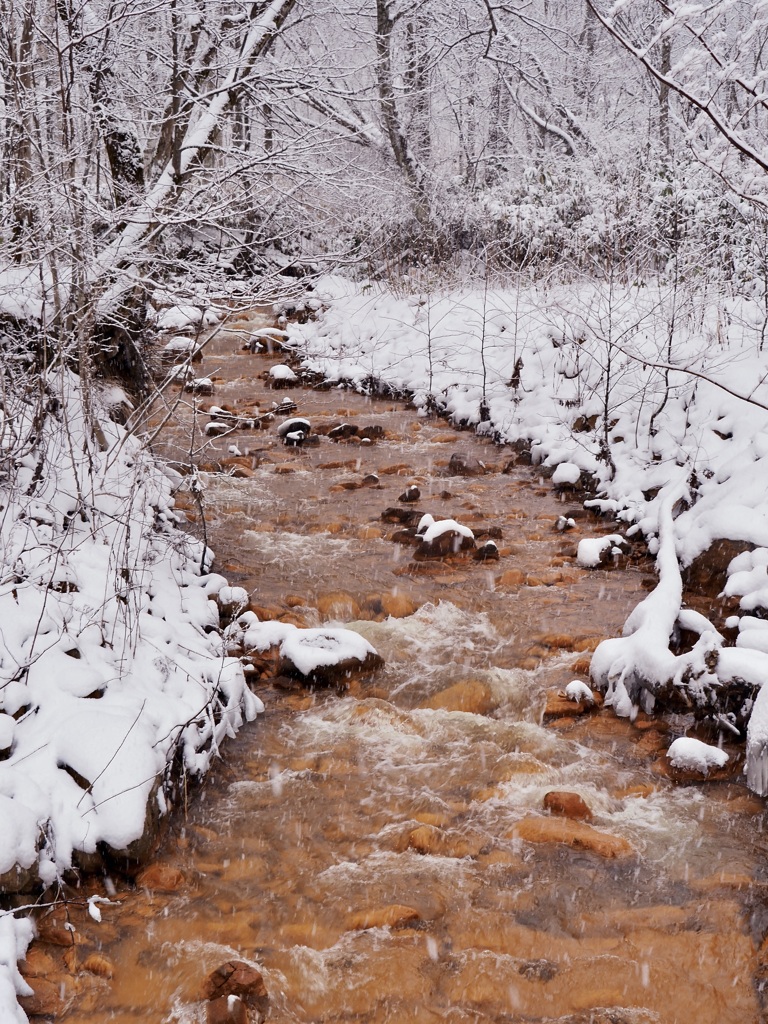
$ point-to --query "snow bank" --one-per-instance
(112, 666)
(15, 936)
(530, 366)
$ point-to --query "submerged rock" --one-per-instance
(571, 833)
(394, 915)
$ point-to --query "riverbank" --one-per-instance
(113, 680)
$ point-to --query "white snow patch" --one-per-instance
(310, 649)
(592, 551)
(282, 372)
(693, 755)
(577, 691)
(566, 473)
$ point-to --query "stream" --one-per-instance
(382, 851)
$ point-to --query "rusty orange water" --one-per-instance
(383, 853)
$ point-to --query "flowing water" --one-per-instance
(382, 852)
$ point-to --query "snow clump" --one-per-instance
(566, 473)
(595, 551)
(578, 691)
(694, 756)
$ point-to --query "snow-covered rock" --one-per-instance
(578, 691)
(446, 537)
(694, 756)
(297, 424)
(326, 655)
(566, 474)
(593, 552)
(282, 375)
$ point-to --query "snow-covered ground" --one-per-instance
(110, 680)
(656, 392)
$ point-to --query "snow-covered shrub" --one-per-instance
(111, 667)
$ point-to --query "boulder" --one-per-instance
(571, 833)
(322, 657)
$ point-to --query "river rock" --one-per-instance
(393, 916)
(403, 516)
(282, 376)
(217, 429)
(373, 432)
(338, 604)
(324, 657)
(406, 536)
(410, 494)
(487, 552)
(427, 839)
(571, 833)
(559, 706)
(511, 578)
(443, 539)
(566, 805)
(342, 431)
(389, 605)
(465, 465)
(227, 1010)
(235, 982)
(99, 965)
(470, 695)
(160, 878)
(298, 424)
